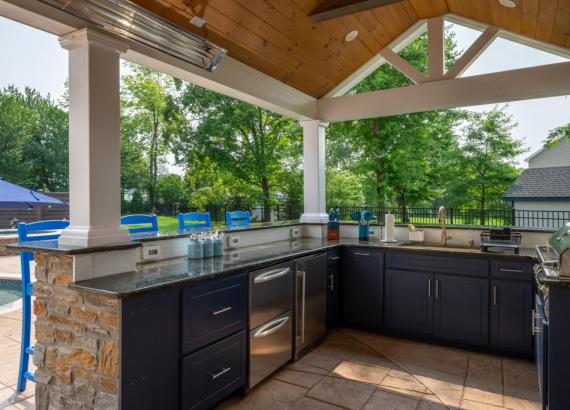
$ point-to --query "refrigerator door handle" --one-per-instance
(302, 274)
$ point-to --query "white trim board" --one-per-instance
(513, 85)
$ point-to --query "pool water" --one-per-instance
(10, 291)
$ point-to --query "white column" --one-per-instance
(314, 171)
(94, 141)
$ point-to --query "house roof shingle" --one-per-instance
(541, 183)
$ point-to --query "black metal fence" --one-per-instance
(419, 216)
(471, 217)
(258, 213)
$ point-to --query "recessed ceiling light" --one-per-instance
(352, 35)
(197, 21)
(508, 3)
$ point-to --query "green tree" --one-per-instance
(404, 157)
(555, 135)
(246, 141)
(151, 117)
(33, 140)
(488, 153)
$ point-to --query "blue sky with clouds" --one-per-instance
(35, 59)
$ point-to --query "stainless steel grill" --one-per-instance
(555, 256)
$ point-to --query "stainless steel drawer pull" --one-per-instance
(219, 312)
(272, 274)
(429, 288)
(331, 286)
(361, 254)
(271, 327)
(510, 270)
(214, 376)
(334, 258)
(494, 295)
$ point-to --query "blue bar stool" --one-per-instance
(24, 231)
(138, 219)
(194, 220)
(237, 218)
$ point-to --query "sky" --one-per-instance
(34, 58)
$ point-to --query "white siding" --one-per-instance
(556, 156)
(541, 214)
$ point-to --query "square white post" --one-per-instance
(94, 139)
(314, 191)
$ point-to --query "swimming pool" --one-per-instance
(10, 291)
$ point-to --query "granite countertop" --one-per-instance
(181, 270)
(53, 246)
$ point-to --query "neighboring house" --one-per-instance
(555, 156)
(541, 194)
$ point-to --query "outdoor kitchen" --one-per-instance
(245, 307)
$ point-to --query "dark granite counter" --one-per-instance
(52, 246)
(182, 271)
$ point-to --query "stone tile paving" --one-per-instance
(360, 370)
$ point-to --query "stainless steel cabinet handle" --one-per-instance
(429, 288)
(270, 275)
(219, 312)
(495, 295)
(271, 327)
(334, 258)
(437, 289)
(331, 286)
(534, 328)
(302, 274)
(510, 270)
(361, 254)
(220, 373)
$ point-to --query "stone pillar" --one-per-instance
(314, 191)
(77, 341)
(94, 140)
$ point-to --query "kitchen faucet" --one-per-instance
(441, 219)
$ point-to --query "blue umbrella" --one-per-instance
(15, 196)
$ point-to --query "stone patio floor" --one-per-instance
(360, 370)
(351, 370)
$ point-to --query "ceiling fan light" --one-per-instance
(351, 35)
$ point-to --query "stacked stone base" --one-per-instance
(77, 341)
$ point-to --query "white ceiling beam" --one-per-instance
(232, 78)
(436, 52)
(472, 53)
(514, 85)
(397, 45)
(507, 35)
(403, 66)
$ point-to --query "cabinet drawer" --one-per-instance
(271, 293)
(454, 265)
(213, 311)
(507, 269)
(211, 374)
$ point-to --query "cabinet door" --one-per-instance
(362, 287)
(409, 301)
(333, 295)
(461, 309)
(511, 309)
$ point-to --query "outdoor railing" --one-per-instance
(540, 219)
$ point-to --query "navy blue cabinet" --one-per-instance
(362, 287)
(511, 308)
(409, 301)
(461, 309)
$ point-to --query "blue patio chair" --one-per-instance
(194, 220)
(237, 218)
(138, 219)
(26, 234)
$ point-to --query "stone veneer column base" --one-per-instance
(77, 341)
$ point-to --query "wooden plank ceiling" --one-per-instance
(279, 38)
